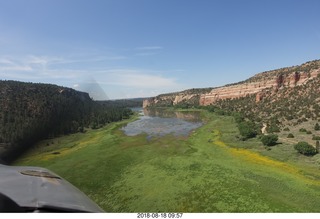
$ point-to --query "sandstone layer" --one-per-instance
(257, 85)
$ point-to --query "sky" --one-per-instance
(117, 49)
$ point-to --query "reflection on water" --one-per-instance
(161, 122)
(192, 116)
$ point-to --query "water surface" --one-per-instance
(162, 122)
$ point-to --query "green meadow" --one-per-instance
(209, 171)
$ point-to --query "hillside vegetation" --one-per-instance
(287, 109)
(305, 67)
(280, 108)
(282, 105)
(30, 112)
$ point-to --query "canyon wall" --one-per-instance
(257, 85)
(189, 97)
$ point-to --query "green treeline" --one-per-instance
(30, 112)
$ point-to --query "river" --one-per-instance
(160, 122)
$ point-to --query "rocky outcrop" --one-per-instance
(146, 103)
(159, 101)
(258, 87)
(187, 97)
(171, 100)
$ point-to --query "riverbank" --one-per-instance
(211, 171)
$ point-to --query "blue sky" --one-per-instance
(141, 48)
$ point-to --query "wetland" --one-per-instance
(207, 170)
(155, 122)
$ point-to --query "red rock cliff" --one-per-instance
(257, 86)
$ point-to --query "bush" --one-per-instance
(273, 127)
(286, 129)
(247, 130)
(238, 117)
(309, 132)
(220, 112)
(315, 137)
(317, 127)
(269, 140)
(305, 148)
(290, 135)
(302, 130)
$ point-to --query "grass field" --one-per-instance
(210, 171)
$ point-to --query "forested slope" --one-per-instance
(30, 112)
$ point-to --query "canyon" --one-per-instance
(258, 85)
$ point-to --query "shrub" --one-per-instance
(305, 148)
(317, 127)
(247, 130)
(273, 127)
(269, 140)
(290, 135)
(286, 129)
(302, 130)
(309, 132)
(238, 117)
(315, 137)
(289, 117)
(220, 112)
(267, 148)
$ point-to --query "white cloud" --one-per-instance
(149, 48)
(41, 60)
(146, 81)
(130, 83)
(19, 76)
(9, 65)
(44, 67)
(36, 66)
(6, 61)
(15, 68)
(138, 79)
(117, 83)
(145, 54)
(87, 60)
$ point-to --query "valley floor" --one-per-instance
(210, 171)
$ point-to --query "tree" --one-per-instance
(305, 148)
(238, 117)
(30, 112)
(247, 130)
(269, 140)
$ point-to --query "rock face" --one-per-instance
(159, 101)
(257, 85)
(187, 97)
